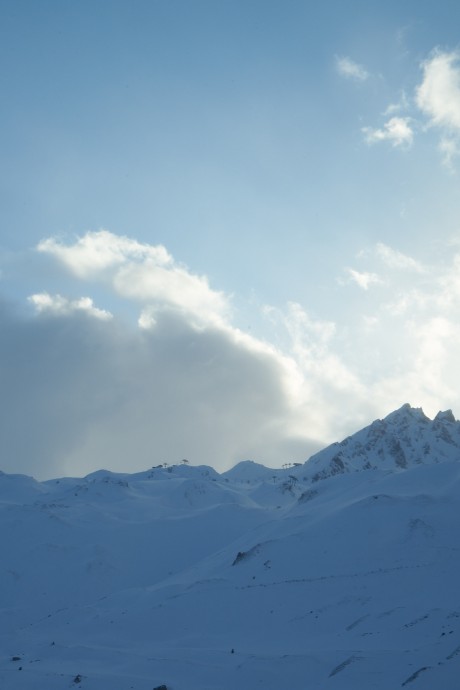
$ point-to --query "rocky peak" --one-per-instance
(406, 415)
(446, 416)
(404, 438)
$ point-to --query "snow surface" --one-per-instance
(338, 574)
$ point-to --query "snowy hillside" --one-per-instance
(338, 574)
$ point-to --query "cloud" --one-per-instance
(80, 393)
(142, 272)
(93, 391)
(60, 306)
(437, 99)
(397, 260)
(447, 294)
(95, 252)
(438, 96)
(172, 288)
(450, 149)
(402, 340)
(429, 377)
(350, 69)
(330, 388)
(402, 104)
(397, 130)
(364, 279)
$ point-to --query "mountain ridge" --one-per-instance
(403, 438)
(193, 580)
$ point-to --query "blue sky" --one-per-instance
(228, 229)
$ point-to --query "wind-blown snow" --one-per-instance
(341, 573)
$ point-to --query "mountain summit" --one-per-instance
(404, 438)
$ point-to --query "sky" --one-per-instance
(228, 230)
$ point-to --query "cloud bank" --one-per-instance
(79, 393)
(81, 389)
(92, 391)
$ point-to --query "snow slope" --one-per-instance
(331, 575)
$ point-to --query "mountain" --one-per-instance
(403, 439)
(340, 573)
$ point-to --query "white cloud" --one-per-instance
(405, 345)
(438, 97)
(327, 382)
(397, 260)
(143, 272)
(450, 149)
(313, 334)
(364, 279)
(448, 287)
(397, 131)
(61, 306)
(187, 383)
(431, 365)
(439, 93)
(97, 251)
(402, 104)
(350, 69)
(173, 287)
(407, 301)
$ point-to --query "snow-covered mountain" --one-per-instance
(341, 573)
(405, 438)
